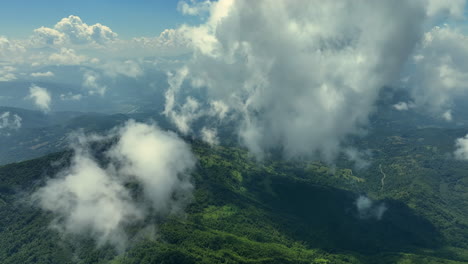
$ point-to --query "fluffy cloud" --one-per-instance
(300, 77)
(159, 160)
(74, 31)
(360, 159)
(461, 151)
(169, 42)
(90, 198)
(66, 57)
(10, 121)
(43, 74)
(90, 81)
(194, 8)
(440, 70)
(71, 97)
(127, 68)
(209, 136)
(73, 42)
(10, 49)
(369, 209)
(447, 115)
(452, 8)
(47, 36)
(7, 73)
(403, 106)
(41, 97)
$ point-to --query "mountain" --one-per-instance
(406, 204)
(43, 133)
(274, 211)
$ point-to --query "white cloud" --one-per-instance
(73, 42)
(66, 57)
(461, 151)
(127, 68)
(209, 136)
(169, 42)
(72, 30)
(368, 209)
(10, 50)
(360, 159)
(403, 106)
(7, 74)
(90, 198)
(79, 32)
(10, 121)
(44, 36)
(447, 115)
(194, 8)
(41, 97)
(43, 74)
(300, 76)
(453, 8)
(441, 73)
(159, 160)
(90, 81)
(219, 109)
(71, 97)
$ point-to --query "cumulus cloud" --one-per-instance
(403, 106)
(7, 73)
(194, 8)
(91, 198)
(73, 30)
(41, 97)
(447, 115)
(360, 158)
(159, 160)
(368, 209)
(453, 8)
(71, 97)
(43, 74)
(440, 70)
(66, 57)
(219, 109)
(461, 151)
(127, 68)
(47, 36)
(10, 50)
(71, 41)
(209, 136)
(301, 77)
(168, 43)
(73, 33)
(90, 81)
(10, 121)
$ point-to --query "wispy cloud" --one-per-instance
(10, 121)
(43, 74)
(91, 198)
(368, 209)
(41, 97)
(303, 81)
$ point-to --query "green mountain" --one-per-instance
(274, 211)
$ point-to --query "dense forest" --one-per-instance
(272, 211)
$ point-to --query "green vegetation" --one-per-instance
(273, 211)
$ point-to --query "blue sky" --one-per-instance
(127, 18)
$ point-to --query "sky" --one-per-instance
(128, 18)
(278, 70)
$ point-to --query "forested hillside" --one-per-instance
(274, 211)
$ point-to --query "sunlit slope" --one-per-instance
(271, 212)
